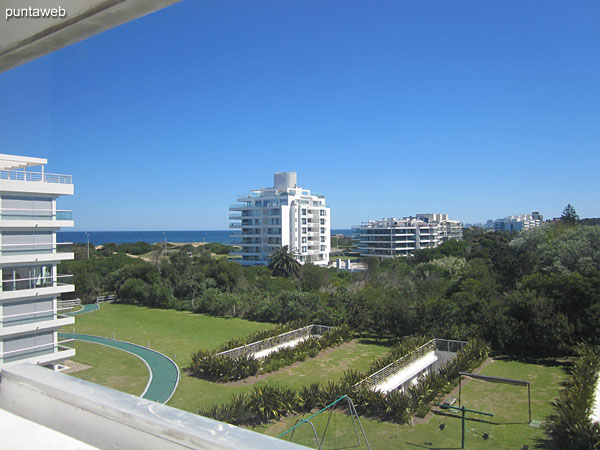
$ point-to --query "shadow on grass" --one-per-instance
(372, 340)
(428, 445)
(474, 419)
(546, 362)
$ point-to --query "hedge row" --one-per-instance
(266, 403)
(570, 425)
(208, 365)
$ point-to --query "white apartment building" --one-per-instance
(391, 237)
(284, 214)
(29, 254)
(518, 223)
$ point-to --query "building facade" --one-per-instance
(391, 237)
(29, 254)
(285, 214)
(518, 223)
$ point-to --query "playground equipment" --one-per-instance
(464, 410)
(353, 415)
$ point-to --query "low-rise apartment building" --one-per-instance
(392, 237)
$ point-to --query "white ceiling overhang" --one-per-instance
(25, 38)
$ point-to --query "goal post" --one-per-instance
(495, 380)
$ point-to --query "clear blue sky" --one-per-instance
(388, 108)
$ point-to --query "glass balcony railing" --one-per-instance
(19, 284)
(23, 175)
(37, 249)
(35, 214)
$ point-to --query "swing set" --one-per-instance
(330, 407)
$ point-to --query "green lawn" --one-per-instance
(508, 429)
(172, 332)
(112, 368)
(177, 334)
(193, 393)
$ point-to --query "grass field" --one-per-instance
(508, 429)
(194, 393)
(109, 367)
(177, 334)
(172, 332)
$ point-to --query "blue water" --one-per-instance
(122, 237)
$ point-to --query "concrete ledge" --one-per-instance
(109, 419)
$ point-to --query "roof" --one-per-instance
(11, 162)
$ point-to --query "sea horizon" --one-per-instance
(176, 236)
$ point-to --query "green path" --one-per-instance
(86, 309)
(164, 373)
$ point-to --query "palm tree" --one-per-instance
(283, 262)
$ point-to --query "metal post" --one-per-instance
(529, 400)
(166, 252)
(459, 388)
(463, 428)
(87, 235)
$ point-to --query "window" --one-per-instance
(258, 203)
(323, 247)
(322, 221)
(304, 239)
(303, 230)
(304, 249)
(322, 212)
(17, 278)
(304, 221)
(322, 230)
(303, 211)
(322, 238)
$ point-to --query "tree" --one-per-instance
(283, 262)
(569, 215)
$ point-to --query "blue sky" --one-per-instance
(388, 108)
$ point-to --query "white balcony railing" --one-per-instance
(29, 249)
(42, 281)
(22, 175)
(35, 214)
(35, 316)
(36, 350)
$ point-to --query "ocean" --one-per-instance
(122, 237)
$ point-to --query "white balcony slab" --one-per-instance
(20, 433)
(27, 328)
(39, 292)
(36, 258)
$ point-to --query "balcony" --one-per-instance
(25, 218)
(15, 180)
(36, 321)
(44, 285)
(46, 351)
(38, 177)
(238, 206)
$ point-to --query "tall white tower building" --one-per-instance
(284, 214)
(29, 254)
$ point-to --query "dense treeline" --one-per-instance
(534, 292)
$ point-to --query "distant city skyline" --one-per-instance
(474, 109)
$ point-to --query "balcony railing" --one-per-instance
(37, 249)
(36, 350)
(35, 214)
(42, 281)
(34, 316)
(21, 175)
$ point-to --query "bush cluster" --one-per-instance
(208, 365)
(570, 425)
(267, 403)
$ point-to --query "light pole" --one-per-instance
(165, 235)
(87, 235)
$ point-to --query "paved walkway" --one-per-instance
(164, 373)
(268, 351)
(407, 373)
(85, 309)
